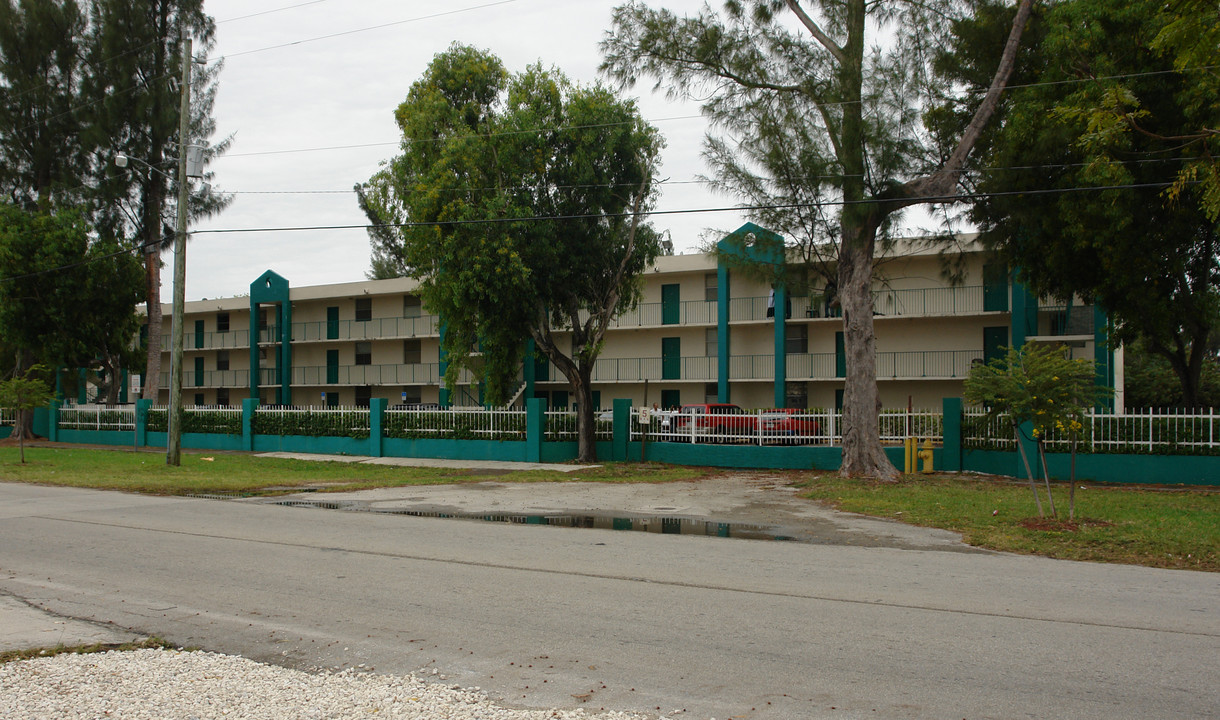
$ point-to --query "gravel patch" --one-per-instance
(177, 685)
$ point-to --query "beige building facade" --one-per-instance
(703, 332)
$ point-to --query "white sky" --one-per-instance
(342, 91)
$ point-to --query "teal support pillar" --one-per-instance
(1103, 355)
(723, 346)
(622, 429)
(781, 346)
(443, 398)
(529, 368)
(248, 406)
(1024, 314)
(376, 425)
(142, 407)
(535, 428)
(53, 421)
(951, 450)
(286, 352)
(82, 386)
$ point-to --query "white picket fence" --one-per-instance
(1169, 432)
(97, 417)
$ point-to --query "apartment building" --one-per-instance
(704, 332)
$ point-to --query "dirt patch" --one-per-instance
(1059, 525)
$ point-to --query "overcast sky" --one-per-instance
(312, 115)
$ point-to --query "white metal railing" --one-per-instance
(454, 423)
(1173, 432)
(777, 426)
(7, 416)
(97, 417)
(561, 425)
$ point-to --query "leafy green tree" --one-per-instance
(521, 199)
(1042, 385)
(1082, 185)
(22, 394)
(822, 124)
(42, 160)
(134, 53)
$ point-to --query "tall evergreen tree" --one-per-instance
(41, 154)
(134, 56)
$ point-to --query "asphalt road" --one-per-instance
(543, 616)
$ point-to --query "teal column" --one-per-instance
(622, 429)
(248, 406)
(1103, 355)
(722, 333)
(529, 368)
(254, 368)
(286, 352)
(535, 428)
(1024, 314)
(443, 366)
(376, 425)
(781, 346)
(951, 444)
(82, 389)
(142, 407)
(53, 421)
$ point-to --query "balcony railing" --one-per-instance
(1064, 320)
(232, 340)
(641, 369)
(389, 328)
(415, 374)
(914, 302)
(210, 379)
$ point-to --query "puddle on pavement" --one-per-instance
(652, 524)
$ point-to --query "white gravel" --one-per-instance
(176, 685)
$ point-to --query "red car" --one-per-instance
(723, 420)
(790, 424)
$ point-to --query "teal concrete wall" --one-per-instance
(125, 438)
(456, 449)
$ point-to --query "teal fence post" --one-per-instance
(248, 406)
(376, 425)
(53, 421)
(142, 407)
(951, 443)
(622, 428)
(535, 428)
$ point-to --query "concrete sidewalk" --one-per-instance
(504, 465)
(24, 627)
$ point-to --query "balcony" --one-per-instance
(414, 374)
(232, 340)
(915, 302)
(608, 370)
(210, 379)
(390, 328)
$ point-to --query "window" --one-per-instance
(222, 397)
(364, 309)
(797, 340)
(411, 306)
(797, 395)
(364, 353)
(711, 287)
(413, 394)
(711, 393)
(363, 393)
(222, 322)
(412, 352)
(713, 347)
(222, 359)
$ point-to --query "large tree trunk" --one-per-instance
(863, 455)
(152, 372)
(586, 422)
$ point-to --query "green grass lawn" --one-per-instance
(239, 473)
(1158, 528)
